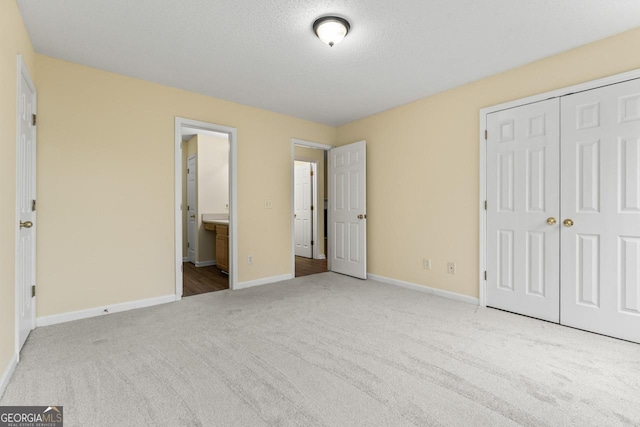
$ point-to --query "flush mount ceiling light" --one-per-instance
(331, 29)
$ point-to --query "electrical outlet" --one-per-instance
(268, 204)
(426, 264)
(250, 259)
(451, 267)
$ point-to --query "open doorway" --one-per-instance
(205, 248)
(309, 193)
(205, 208)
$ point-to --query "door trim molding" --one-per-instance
(308, 144)
(181, 122)
(482, 217)
(22, 71)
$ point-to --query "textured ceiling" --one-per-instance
(263, 53)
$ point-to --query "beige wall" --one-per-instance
(422, 164)
(213, 189)
(13, 41)
(310, 154)
(107, 209)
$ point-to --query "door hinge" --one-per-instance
(33, 120)
(485, 275)
(311, 173)
(33, 205)
(485, 205)
(33, 291)
(187, 244)
(312, 243)
(311, 207)
(486, 134)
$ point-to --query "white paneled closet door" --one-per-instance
(522, 205)
(600, 241)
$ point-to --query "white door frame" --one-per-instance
(316, 145)
(23, 72)
(314, 199)
(233, 197)
(617, 78)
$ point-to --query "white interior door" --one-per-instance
(26, 206)
(302, 209)
(601, 196)
(522, 205)
(348, 209)
(191, 209)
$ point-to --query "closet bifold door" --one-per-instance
(600, 206)
(523, 235)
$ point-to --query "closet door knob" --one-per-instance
(568, 222)
(551, 221)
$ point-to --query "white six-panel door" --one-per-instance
(348, 210)
(26, 202)
(522, 204)
(563, 210)
(601, 197)
(302, 209)
(192, 223)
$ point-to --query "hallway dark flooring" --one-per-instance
(307, 266)
(200, 280)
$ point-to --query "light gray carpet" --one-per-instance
(326, 350)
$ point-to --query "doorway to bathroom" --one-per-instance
(205, 235)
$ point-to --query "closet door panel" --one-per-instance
(600, 206)
(522, 194)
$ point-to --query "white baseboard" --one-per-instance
(265, 281)
(206, 263)
(322, 256)
(100, 311)
(185, 259)
(424, 288)
(8, 373)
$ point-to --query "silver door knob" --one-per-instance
(26, 224)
